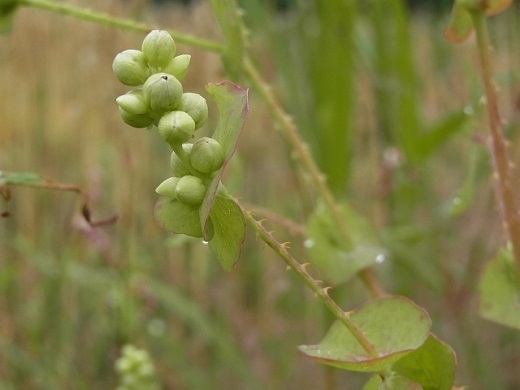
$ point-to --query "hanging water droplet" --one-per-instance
(308, 243)
(205, 242)
(380, 258)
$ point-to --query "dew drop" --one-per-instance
(380, 258)
(308, 243)
(205, 242)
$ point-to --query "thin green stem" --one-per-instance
(320, 292)
(124, 24)
(502, 162)
(304, 156)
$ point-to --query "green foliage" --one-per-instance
(351, 76)
(394, 325)
(337, 260)
(500, 290)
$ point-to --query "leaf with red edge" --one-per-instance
(233, 107)
(394, 325)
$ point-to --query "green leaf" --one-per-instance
(176, 217)
(229, 231)
(233, 107)
(374, 383)
(432, 365)
(440, 132)
(394, 325)
(338, 260)
(500, 291)
(7, 13)
(460, 25)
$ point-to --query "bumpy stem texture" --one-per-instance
(502, 162)
(320, 292)
(305, 158)
(123, 24)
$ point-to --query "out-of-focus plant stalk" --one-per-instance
(502, 163)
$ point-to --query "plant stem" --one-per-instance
(502, 163)
(305, 158)
(320, 292)
(124, 24)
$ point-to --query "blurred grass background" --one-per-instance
(392, 113)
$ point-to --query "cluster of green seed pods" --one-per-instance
(159, 101)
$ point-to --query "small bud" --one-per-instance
(167, 187)
(159, 48)
(179, 168)
(133, 102)
(162, 92)
(178, 66)
(130, 67)
(190, 190)
(207, 155)
(196, 106)
(135, 120)
(176, 127)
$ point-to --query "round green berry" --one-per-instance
(178, 66)
(135, 120)
(159, 48)
(195, 105)
(162, 92)
(176, 127)
(130, 67)
(207, 155)
(190, 190)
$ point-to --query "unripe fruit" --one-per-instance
(130, 67)
(167, 187)
(196, 106)
(159, 48)
(135, 120)
(176, 127)
(190, 190)
(162, 92)
(207, 155)
(133, 102)
(178, 66)
(179, 169)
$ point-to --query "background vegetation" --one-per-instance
(368, 87)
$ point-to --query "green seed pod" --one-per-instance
(130, 67)
(176, 127)
(167, 187)
(162, 92)
(133, 102)
(135, 120)
(179, 169)
(178, 66)
(207, 155)
(159, 48)
(196, 106)
(190, 190)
